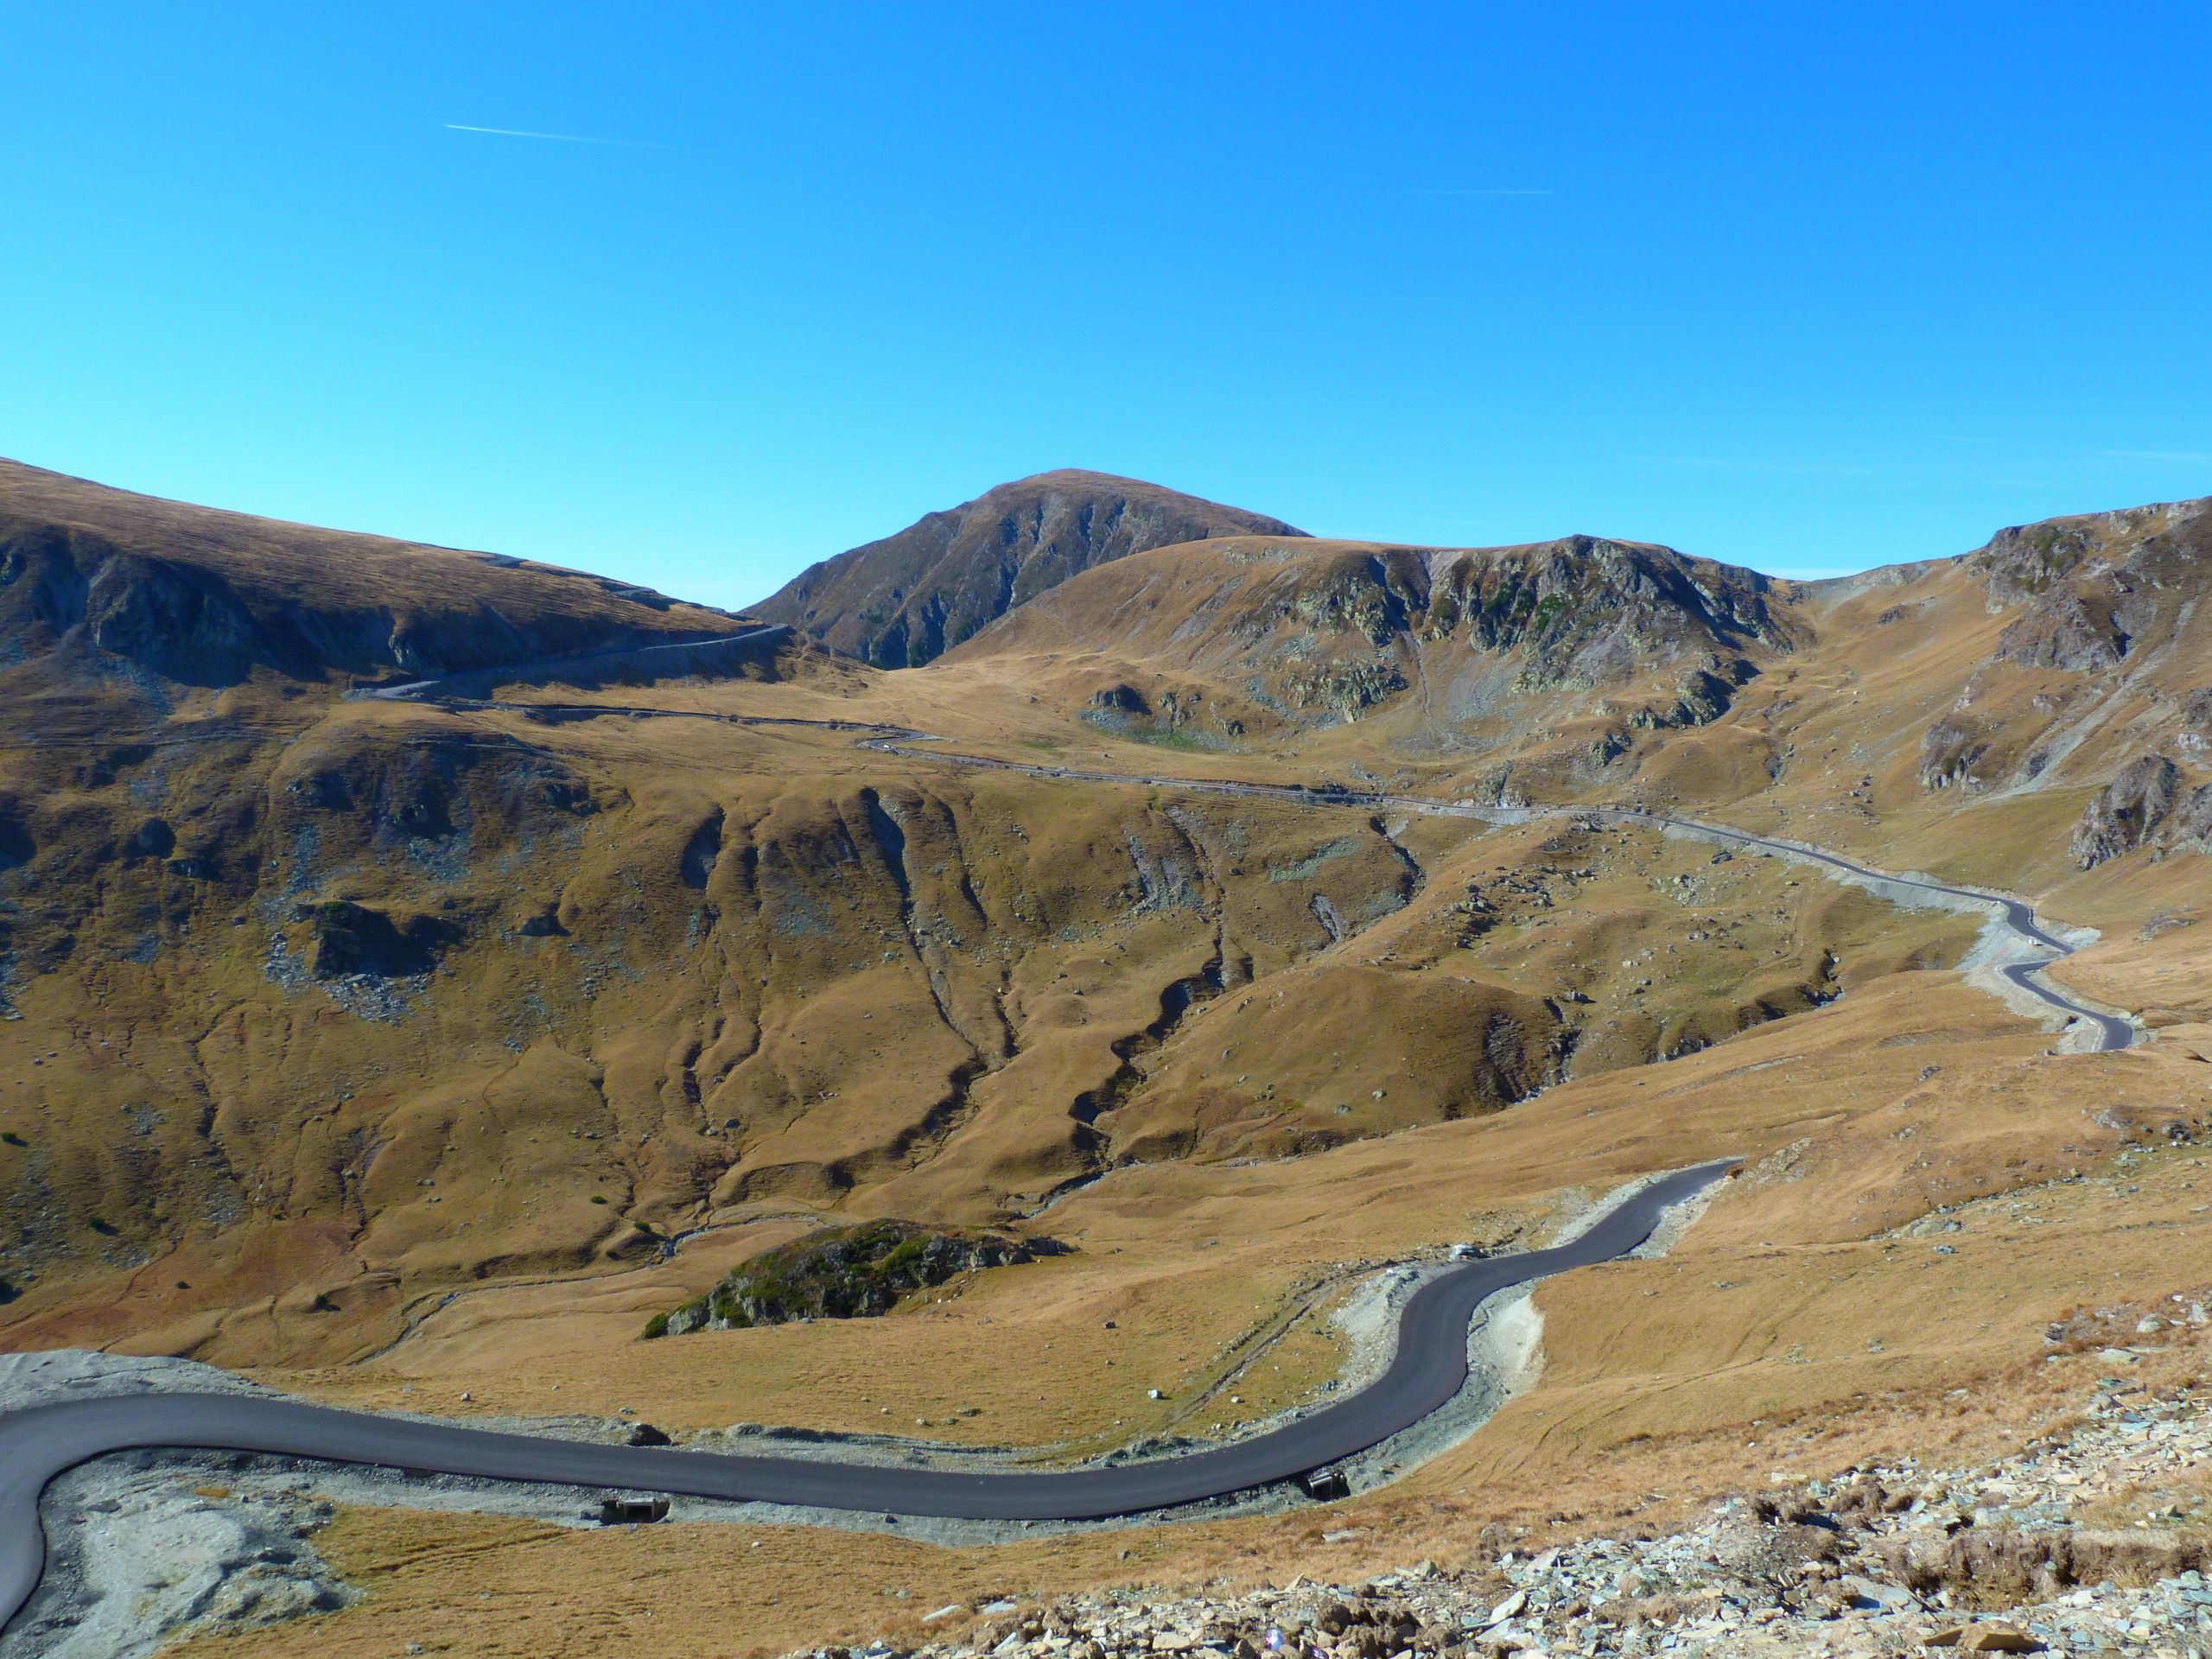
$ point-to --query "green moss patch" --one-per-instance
(846, 1273)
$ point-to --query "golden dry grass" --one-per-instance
(820, 1018)
(1791, 1332)
(270, 562)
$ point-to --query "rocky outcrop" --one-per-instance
(152, 839)
(2189, 830)
(1170, 716)
(1705, 694)
(184, 624)
(376, 796)
(2126, 811)
(2114, 598)
(1583, 608)
(2066, 630)
(544, 923)
(351, 938)
(1343, 689)
(2094, 588)
(847, 1273)
(1124, 700)
(1588, 607)
(2024, 561)
(1950, 752)
(2195, 732)
(907, 599)
(1319, 632)
(2148, 805)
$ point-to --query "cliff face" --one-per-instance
(1316, 631)
(2127, 810)
(2103, 612)
(906, 600)
(2094, 591)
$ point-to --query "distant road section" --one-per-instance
(466, 690)
(2112, 1031)
(1428, 1367)
(694, 654)
(2016, 914)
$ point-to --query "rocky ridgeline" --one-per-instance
(1335, 631)
(2106, 597)
(1881, 1561)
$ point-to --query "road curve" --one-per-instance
(1428, 1367)
(2113, 1031)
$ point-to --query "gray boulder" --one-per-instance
(2126, 811)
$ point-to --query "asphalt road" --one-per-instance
(441, 687)
(1427, 1368)
(2112, 1031)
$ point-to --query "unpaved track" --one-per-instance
(440, 689)
(1429, 1367)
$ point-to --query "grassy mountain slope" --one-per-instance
(437, 1047)
(100, 581)
(1245, 641)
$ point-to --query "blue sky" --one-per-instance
(1810, 287)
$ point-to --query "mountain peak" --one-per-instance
(906, 600)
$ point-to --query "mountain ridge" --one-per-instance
(200, 595)
(419, 1052)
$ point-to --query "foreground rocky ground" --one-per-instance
(2095, 1540)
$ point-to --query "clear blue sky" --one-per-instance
(1806, 287)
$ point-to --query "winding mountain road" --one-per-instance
(2113, 1031)
(1428, 1367)
(445, 687)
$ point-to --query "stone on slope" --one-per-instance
(2126, 811)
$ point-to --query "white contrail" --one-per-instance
(556, 138)
(1482, 193)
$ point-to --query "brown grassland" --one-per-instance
(441, 1046)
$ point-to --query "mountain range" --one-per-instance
(422, 972)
